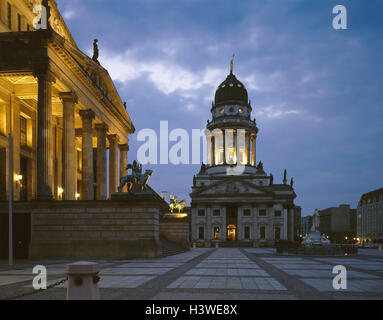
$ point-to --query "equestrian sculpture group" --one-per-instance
(136, 178)
(175, 205)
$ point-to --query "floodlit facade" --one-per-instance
(233, 198)
(370, 217)
(61, 109)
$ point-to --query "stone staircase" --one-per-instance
(169, 248)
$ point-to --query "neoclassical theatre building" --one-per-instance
(233, 198)
(61, 109)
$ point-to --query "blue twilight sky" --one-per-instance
(316, 92)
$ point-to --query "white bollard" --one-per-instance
(217, 245)
(83, 281)
(194, 245)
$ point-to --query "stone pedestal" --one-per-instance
(83, 281)
(123, 228)
(176, 228)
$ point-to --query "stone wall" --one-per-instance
(115, 229)
(175, 229)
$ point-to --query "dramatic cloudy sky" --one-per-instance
(316, 92)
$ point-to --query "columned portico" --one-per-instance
(69, 100)
(102, 183)
(44, 137)
(113, 163)
(44, 81)
(87, 117)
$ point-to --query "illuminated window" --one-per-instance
(240, 111)
(217, 233)
(23, 131)
(222, 111)
(231, 157)
(219, 149)
(242, 151)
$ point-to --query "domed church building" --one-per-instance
(233, 198)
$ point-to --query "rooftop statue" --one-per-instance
(175, 205)
(136, 178)
(96, 52)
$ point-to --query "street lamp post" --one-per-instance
(10, 218)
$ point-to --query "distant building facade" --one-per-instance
(238, 207)
(370, 217)
(338, 223)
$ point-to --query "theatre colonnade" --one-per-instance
(64, 115)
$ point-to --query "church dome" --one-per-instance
(231, 90)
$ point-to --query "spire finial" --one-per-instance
(232, 64)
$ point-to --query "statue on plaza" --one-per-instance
(316, 221)
(314, 238)
(136, 178)
(176, 205)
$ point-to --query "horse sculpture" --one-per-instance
(140, 180)
(175, 205)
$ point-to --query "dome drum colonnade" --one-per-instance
(232, 135)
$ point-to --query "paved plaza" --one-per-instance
(209, 274)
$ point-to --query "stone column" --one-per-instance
(102, 183)
(69, 100)
(209, 155)
(254, 151)
(285, 224)
(87, 117)
(113, 163)
(224, 145)
(247, 147)
(44, 136)
(124, 148)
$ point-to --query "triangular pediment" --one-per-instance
(233, 186)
